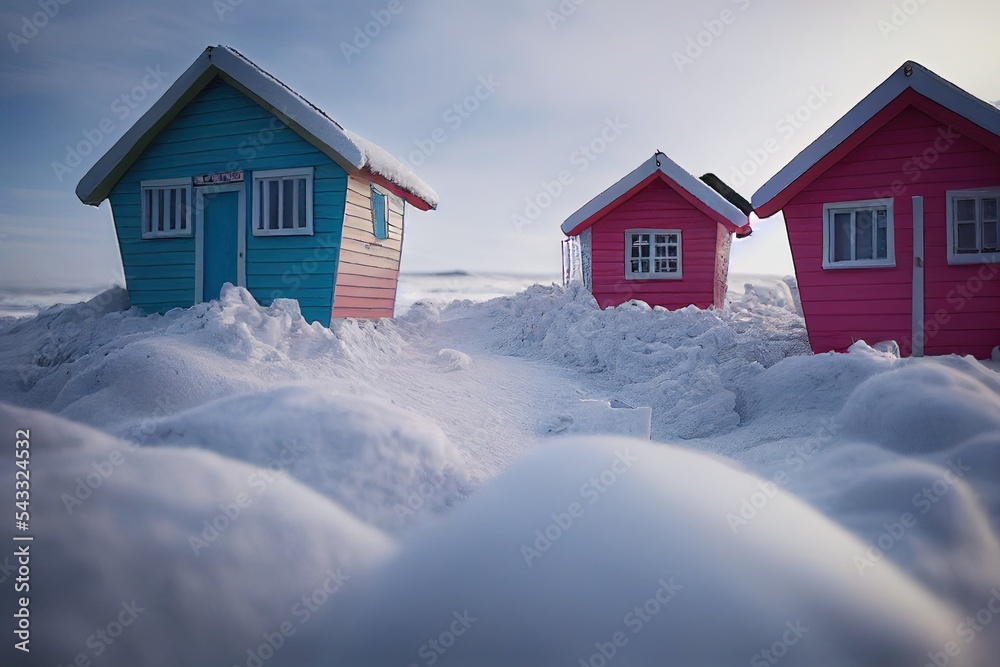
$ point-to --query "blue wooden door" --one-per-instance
(221, 220)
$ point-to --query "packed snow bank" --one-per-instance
(690, 366)
(195, 555)
(383, 463)
(622, 549)
(903, 454)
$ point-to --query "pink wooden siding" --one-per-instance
(873, 304)
(368, 269)
(656, 206)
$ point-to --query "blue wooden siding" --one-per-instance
(224, 130)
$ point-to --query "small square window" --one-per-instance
(380, 214)
(858, 234)
(652, 254)
(166, 208)
(282, 202)
(972, 226)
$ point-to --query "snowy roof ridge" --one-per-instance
(348, 149)
(281, 83)
(911, 75)
(727, 212)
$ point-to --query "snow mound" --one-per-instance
(600, 549)
(690, 366)
(197, 556)
(896, 410)
(369, 457)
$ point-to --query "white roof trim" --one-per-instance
(347, 149)
(922, 80)
(674, 172)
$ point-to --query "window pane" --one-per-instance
(661, 250)
(672, 264)
(261, 206)
(989, 209)
(661, 238)
(184, 207)
(965, 210)
(173, 208)
(990, 236)
(148, 212)
(645, 264)
(636, 267)
(966, 237)
(302, 203)
(287, 203)
(882, 236)
(159, 210)
(273, 195)
(863, 232)
(841, 237)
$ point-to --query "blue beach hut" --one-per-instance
(232, 176)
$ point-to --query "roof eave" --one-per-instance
(97, 183)
(775, 193)
(696, 192)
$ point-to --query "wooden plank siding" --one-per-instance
(224, 130)
(368, 269)
(656, 206)
(874, 304)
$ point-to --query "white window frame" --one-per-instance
(969, 257)
(674, 275)
(186, 215)
(828, 234)
(283, 174)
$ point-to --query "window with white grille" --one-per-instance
(653, 254)
(283, 202)
(166, 208)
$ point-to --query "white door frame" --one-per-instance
(199, 243)
(917, 341)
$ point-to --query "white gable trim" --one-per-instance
(671, 170)
(350, 151)
(921, 80)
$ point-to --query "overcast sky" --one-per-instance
(707, 82)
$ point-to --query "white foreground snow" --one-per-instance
(838, 509)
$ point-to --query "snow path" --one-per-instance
(492, 406)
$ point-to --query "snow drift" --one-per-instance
(855, 494)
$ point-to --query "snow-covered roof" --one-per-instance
(352, 152)
(725, 212)
(910, 76)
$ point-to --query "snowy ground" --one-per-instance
(424, 491)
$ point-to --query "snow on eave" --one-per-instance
(728, 214)
(352, 152)
(922, 81)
